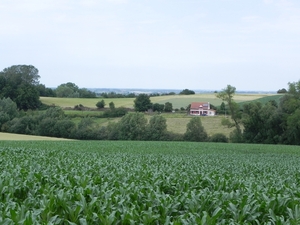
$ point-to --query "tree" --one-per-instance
(132, 126)
(293, 128)
(261, 123)
(168, 107)
(227, 95)
(111, 105)
(218, 137)
(158, 107)
(187, 92)
(282, 91)
(44, 91)
(65, 128)
(188, 109)
(294, 89)
(19, 83)
(8, 110)
(100, 104)
(222, 108)
(85, 93)
(87, 129)
(67, 90)
(24, 125)
(142, 103)
(195, 131)
(157, 128)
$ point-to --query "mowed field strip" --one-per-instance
(22, 137)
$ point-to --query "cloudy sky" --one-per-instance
(169, 44)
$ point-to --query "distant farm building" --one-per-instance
(201, 109)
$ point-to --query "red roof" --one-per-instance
(197, 105)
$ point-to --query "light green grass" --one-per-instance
(22, 137)
(130, 182)
(179, 101)
(87, 102)
(211, 124)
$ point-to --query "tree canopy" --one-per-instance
(19, 83)
(142, 103)
(227, 95)
(187, 92)
(195, 130)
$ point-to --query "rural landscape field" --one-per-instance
(176, 100)
(176, 122)
(127, 182)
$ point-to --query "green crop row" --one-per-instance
(148, 183)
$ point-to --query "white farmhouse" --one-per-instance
(201, 109)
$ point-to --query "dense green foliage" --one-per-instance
(71, 90)
(142, 103)
(187, 92)
(19, 83)
(274, 123)
(227, 95)
(148, 183)
(168, 107)
(195, 130)
(158, 107)
(116, 95)
(100, 104)
(218, 137)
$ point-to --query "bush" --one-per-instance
(218, 137)
(23, 125)
(187, 92)
(195, 131)
(118, 112)
(170, 136)
(157, 128)
(132, 126)
(100, 104)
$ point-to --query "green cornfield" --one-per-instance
(102, 182)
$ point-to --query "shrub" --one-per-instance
(195, 131)
(100, 104)
(218, 137)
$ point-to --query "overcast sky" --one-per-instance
(169, 44)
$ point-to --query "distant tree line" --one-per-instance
(116, 95)
(187, 92)
(133, 95)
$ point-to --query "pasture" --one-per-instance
(126, 182)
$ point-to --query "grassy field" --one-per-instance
(176, 100)
(211, 124)
(176, 122)
(19, 137)
(126, 182)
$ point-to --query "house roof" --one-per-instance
(197, 105)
